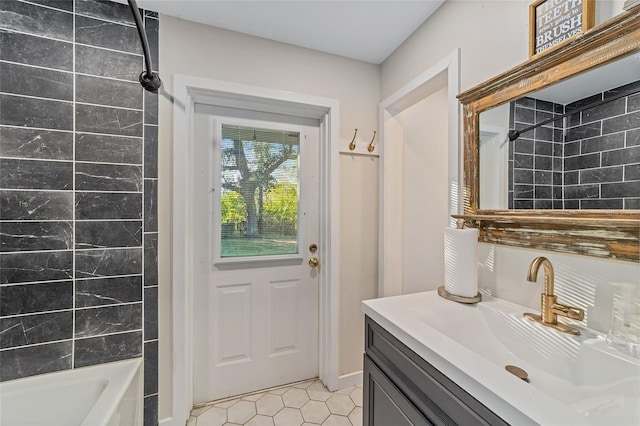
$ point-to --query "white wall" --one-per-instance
(493, 37)
(425, 211)
(199, 50)
(491, 34)
(359, 250)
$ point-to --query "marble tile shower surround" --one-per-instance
(588, 160)
(78, 180)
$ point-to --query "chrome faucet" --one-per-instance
(550, 308)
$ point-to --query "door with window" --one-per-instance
(256, 283)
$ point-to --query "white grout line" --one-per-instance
(83, 191)
(11, 30)
(74, 309)
(79, 279)
(113, 107)
(35, 345)
(9, 126)
(72, 340)
(71, 102)
(117, 333)
(48, 7)
(73, 191)
(54, 160)
(17, 95)
(135, 82)
(36, 66)
(72, 250)
(106, 48)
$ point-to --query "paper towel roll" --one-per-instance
(461, 261)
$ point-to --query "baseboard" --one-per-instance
(166, 422)
(350, 379)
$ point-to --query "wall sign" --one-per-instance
(553, 21)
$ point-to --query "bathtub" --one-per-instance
(102, 395)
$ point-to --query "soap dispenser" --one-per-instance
(625, 325)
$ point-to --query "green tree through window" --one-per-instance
(259, 200)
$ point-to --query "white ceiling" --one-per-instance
(360, 29)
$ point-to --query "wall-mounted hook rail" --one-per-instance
(370, 148)
(360, 148)
(352, 145)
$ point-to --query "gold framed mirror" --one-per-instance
(555, 206)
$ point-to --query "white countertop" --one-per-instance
(460, 341)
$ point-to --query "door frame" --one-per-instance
(188, 91)
(445, 72)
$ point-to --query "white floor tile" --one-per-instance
(304, 385)
(345, 391)
(260, 420)
(335, 420)
(269, 405)
(315, 411)
(213, 417)
(307, 403)
(198, 411)
(356, 396)
(253, 397)
(340, 404)
(318, 392)
(225, 404)
(295, 398)
(356, 416)
(288, 417)
(241, 412)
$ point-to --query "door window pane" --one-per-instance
(260, 187)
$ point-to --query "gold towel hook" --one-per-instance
(370, 148)
(352, 145)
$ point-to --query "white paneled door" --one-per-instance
(256, 277)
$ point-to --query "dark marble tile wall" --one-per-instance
(78, 190)
(594, 154)
(602, 152)
(535, 158)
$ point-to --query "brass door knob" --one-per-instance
(314, 262)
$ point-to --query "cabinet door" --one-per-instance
(433, 394)
(384, 404)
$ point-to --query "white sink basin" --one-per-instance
(572, 379)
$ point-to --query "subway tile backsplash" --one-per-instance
(78, 180)
(588, 160)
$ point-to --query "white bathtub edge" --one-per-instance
(123, 372)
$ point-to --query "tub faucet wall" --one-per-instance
(78, 179)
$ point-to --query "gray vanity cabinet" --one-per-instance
(401, 388)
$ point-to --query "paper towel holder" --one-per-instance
(460, 299)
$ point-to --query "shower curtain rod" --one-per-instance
(148, 79)
(515, 134)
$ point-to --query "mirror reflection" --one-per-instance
(578, 145)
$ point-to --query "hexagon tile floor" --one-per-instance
(304, 403)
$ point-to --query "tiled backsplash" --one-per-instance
(588, 160)
(78, 179)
